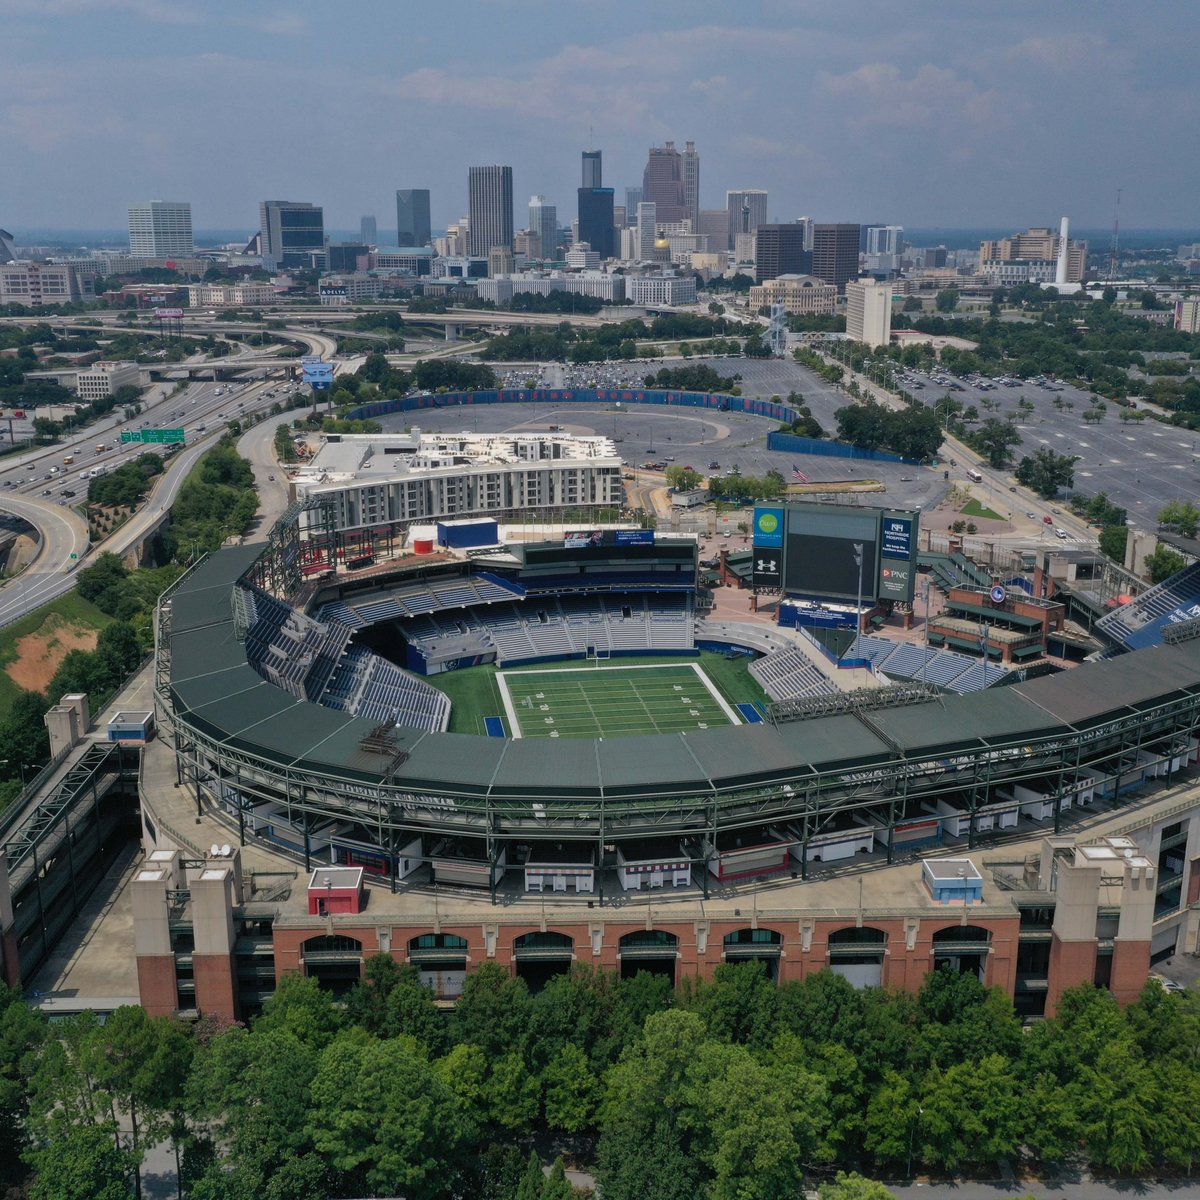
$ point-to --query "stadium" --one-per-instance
(557, 722)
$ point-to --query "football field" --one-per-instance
(610, 701)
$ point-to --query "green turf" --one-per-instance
(602, 700)
(973, 508)
(474, 693)
(71, 608)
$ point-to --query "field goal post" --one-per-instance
(599, 653)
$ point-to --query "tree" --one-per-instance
(1183, 515)
(572, 1090)
(81, 1162)
(972, 1114)
(994, 438)
(493, 1011)
(23, 734)
(1164, 563)
(1113, 539)
(381, 1115)
(739, 1005)
(947, 300)
(912, 304)
(1047, 472)
(557, 1185)
(683, 479)
(533, 1180)
(853, 1186)
(511, 1095)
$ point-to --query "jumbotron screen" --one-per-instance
(811, 550)
(828, 566)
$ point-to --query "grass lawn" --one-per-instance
(973, 508)
(601, 700)
(475, 694)
(71, 609)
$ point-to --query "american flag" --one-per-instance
(799, 475)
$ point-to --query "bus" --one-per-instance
(974, 476)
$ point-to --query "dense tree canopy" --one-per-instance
(731, 1089)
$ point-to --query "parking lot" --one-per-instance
(693, 437)
(1140, 464)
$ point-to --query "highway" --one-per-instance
(40, 487)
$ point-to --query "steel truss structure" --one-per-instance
(892, 780)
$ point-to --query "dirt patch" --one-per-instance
(40, 654)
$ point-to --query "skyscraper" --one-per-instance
(747, 210)
(835, 253)
(633, 197)
(884, 239)
(161, 229)
(662, 183)
(779, 250)
(543, 220)
(368, 231)
(491, 208)
(293, 231)
(412, 217)
(595, 207)
(596, 219)
(690, 162)
(647, 222)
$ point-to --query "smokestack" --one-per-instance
(1060, 273)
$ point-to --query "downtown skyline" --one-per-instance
(950, 118)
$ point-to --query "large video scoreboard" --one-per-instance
(814, 550)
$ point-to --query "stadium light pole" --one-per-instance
(858, 558)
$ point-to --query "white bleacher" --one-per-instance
(955, 672)
(787, 673)
(1177, 595)
(977, 677)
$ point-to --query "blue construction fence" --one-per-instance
(793, 443)
(711, 400)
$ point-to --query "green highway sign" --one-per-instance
(153, 435)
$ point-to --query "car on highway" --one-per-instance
(1048, 520)
(1032, 516)
(1061, 533)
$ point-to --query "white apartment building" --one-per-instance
(799, 294)
(1187, 314)
(1008, 272)
(201, 295)
(161, 229)
(581, 257)
(336, 291)
(37, 283)
(104, 379)
(377, 479)
(598, 284)
(661, 289)
(868, 312)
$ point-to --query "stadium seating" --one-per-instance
(1140, 622)
(901, 660)
(313, 660)
(552, 627)
(290, 649)
(788, 673)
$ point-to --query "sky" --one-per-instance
(947, 113)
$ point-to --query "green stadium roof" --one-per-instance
(214, 686)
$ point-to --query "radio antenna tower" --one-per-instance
(1114, 246)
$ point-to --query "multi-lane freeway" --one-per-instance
(42, 488)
